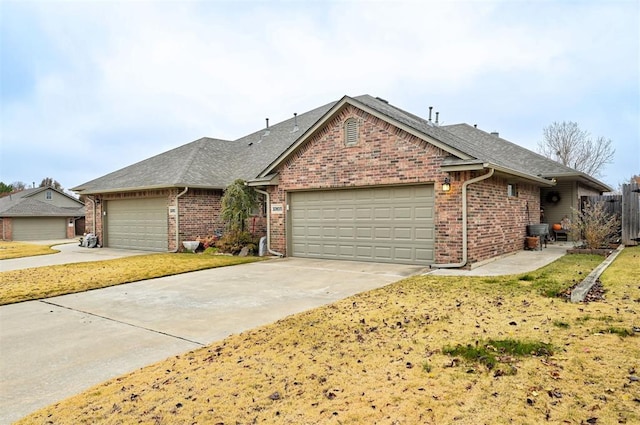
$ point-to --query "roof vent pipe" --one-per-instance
(495, 133)
(295, 121)
(437, 114)
(430, 109)
(475, 126)
(267, 130)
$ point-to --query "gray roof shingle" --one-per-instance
(206, 162)
(215, 163)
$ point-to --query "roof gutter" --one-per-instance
(475, 166)
(266, 194)
(465, 235)
(178, 218)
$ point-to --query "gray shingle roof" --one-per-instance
(207, 163)
(21, 204)
(215, 163)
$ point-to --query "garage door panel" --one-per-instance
(329, 214)
(382, 213)
(424, 254)
(137, 224)
(403, 253)
(364, 213)
(423, 213)
(346, 213)
(364, 252)
(400, 213)
(364, 233)
(383, 253)
(383, 233)
(424, 234)
(403, 233)
(391, 224)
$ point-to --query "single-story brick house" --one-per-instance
(356, 179)
(39, 214)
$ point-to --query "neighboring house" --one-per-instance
(356, 179)
(39, 214)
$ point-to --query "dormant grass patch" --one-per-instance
(20, 249)
(44, 282)
(378, 358)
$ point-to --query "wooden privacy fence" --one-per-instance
(630, 213)
(626, 207)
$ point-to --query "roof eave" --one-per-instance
(269, 180)
(578, 175)
(150, 187)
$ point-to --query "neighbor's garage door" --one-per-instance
(137, 224)
(41, 228)
(388, 224)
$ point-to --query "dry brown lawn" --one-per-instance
(43, 282)
(21, 249)
(377, 358)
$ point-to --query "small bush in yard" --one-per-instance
(233, 241)
(594, 225)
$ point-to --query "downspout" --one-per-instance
(266, 194)
(464, 222)
(178, 218)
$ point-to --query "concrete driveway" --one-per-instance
(58, 347)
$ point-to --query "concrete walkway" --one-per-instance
(70, 252)
(519, 262)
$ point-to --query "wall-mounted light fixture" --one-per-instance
(446, 185)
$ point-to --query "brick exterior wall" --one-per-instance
(386, 155)
(7, 228)
(199, 211)
(497, 222)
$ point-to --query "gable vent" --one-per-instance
(351, 132)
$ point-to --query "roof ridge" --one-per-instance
(190, 159)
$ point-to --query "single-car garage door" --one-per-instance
(385, 224)
(137, 224)
(40, 228)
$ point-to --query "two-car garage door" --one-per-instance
(385, 224)
(137, 224)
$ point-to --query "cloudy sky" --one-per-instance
(88, 87)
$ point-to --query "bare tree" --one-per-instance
(18, 186)
(566, 143)
(49, 182)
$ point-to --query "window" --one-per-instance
(48, 196)
(512, 190)
(351, 132)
